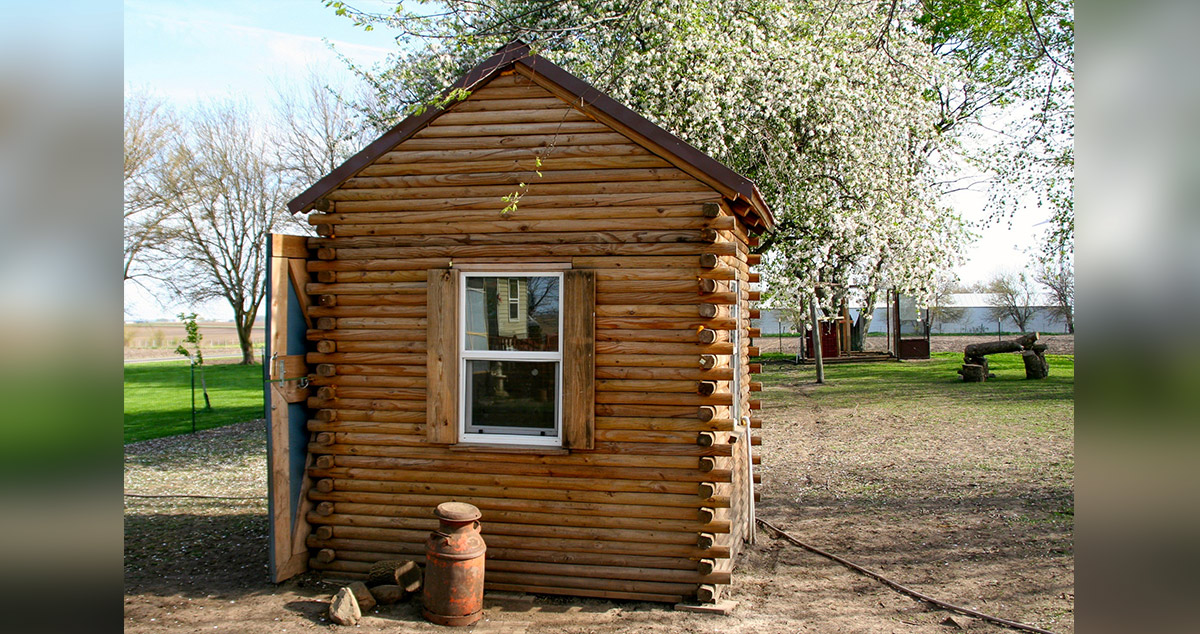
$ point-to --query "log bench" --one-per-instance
(975, 363)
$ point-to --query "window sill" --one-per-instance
(544, 450)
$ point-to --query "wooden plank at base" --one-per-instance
(287, 563)
(724, 608)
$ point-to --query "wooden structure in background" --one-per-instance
(908, 325)
(831, 339)
(648, 492)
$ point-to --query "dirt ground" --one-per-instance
(975, 510)
(1056, 344)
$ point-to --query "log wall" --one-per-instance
(657, 510)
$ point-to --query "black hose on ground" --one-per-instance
(900, 588)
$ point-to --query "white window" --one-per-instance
(514, 298)
(511, 358)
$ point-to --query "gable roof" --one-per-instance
(742, 193)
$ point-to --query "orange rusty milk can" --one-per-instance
(453, 593)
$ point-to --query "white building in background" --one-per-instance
(976, 318)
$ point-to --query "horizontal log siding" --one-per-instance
(624, 520)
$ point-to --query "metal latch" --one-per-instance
(303, 380)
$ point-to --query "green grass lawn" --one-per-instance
(1009, 436)
(931, 383)
(158, 398)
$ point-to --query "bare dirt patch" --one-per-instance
(965, 498)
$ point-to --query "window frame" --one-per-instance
(465, 356)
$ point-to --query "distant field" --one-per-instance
(159, 339)
(158, 398)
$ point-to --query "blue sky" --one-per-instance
(187, 51)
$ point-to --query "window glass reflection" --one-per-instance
(512, 313)
(511, 397)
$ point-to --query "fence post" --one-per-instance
(192, 366)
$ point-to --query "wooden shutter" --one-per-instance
(579, 358)
(441, 396)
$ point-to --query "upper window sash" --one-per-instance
(505, 355)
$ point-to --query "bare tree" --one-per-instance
(149, 129)
(1012, 297)
(316, 130)
(1059, 278)
(226, 193)
(791, 319)
(941, 305)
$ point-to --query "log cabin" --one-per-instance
(576, 364)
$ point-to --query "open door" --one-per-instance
(912, 327)
(285, 392)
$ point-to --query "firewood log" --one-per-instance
(972, 373)
(991, 347)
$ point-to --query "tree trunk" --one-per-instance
(204, 389)
(245, 332)
(858, 332)
(862, 325)
(817, 352)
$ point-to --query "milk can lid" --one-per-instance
(457, 512)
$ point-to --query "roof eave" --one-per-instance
(764, 211)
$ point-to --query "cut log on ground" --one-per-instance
(1035, 365)
(991, 347)
(977, 361)
(1027, 340)
(972, 373)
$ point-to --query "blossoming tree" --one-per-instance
(826, 105)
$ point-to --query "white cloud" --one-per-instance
(187, 54)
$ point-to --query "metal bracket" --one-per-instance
(303, 380)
